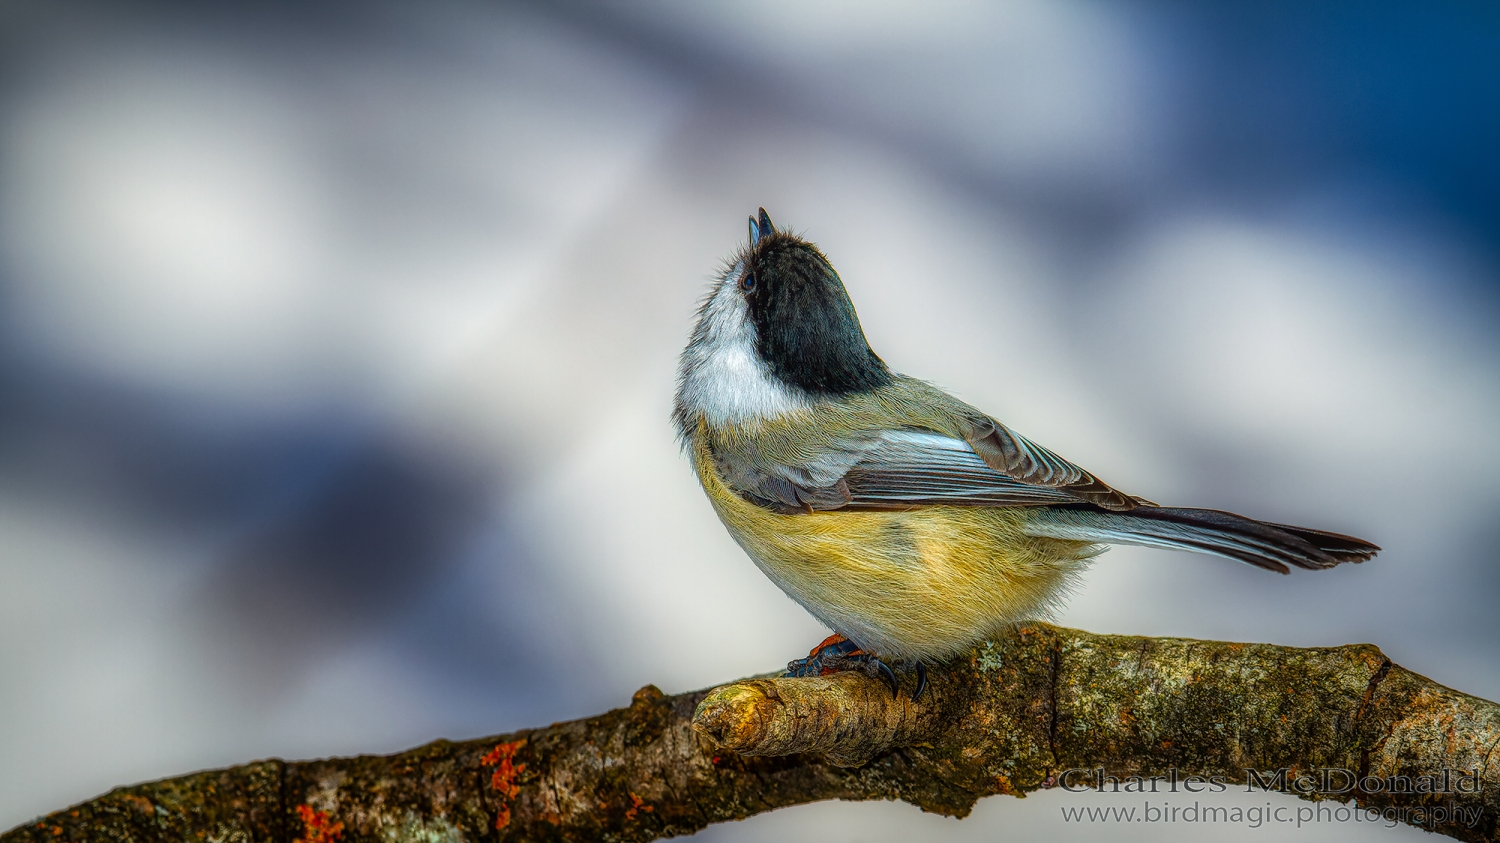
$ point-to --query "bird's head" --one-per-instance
(776, 332)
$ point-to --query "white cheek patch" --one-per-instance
(720, 375)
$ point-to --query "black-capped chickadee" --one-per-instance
(910, 523)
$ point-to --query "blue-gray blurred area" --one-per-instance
(337, 343)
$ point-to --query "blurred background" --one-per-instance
(337, 343)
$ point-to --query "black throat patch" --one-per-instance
(805, 325)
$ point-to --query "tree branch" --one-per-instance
(1010, 717)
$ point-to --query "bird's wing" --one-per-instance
(893, 469)
(1022, 460)
(915, 468)
(1004, 450)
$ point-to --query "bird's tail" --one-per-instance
(1262, 544)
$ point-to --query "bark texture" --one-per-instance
(1011, 716)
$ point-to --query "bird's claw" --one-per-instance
(838, 653)
(888, 675)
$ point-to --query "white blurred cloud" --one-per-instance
(1325, 358)
(1060, 94)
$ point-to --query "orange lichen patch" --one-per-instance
(1003, 786)
(141, 803)
(56, 831)
(503, 780)
(639, 805)
(316, 828)
(502, 819)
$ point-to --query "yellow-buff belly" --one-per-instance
(909, 584)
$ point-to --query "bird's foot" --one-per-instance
(837, 654)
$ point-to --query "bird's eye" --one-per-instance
(748, 282)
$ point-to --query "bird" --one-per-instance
(908, 522)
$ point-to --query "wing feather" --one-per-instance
(1021, 459)
(895, 469)
(915, 468)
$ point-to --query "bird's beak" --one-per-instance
(761, 227)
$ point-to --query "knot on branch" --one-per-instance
(849, 717)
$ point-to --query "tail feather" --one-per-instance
(1339, 546)
(1259, 543)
